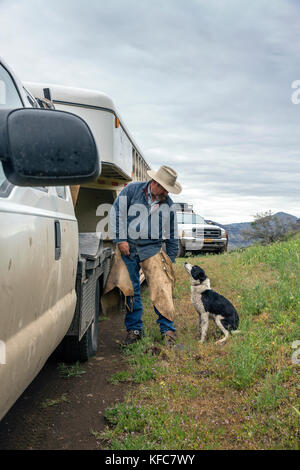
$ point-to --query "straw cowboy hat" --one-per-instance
(166, 177)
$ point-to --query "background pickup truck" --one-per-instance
(196, 236)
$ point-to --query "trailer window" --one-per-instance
(9, 96)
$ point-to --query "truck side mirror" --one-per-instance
(47, 148)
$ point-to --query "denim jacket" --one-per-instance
(143, 226)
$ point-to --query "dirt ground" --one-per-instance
(69, 424)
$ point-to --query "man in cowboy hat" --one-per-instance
(144, 217)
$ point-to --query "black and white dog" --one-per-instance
(210, 304)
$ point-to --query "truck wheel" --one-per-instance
(74, 350)
(181, 250)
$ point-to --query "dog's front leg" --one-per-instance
(204, 326)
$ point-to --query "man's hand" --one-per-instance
(124, 248)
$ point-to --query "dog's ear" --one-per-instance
(198, 273)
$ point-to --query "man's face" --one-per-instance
(157, 191)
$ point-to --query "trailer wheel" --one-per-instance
(74, 350)
(89, 342)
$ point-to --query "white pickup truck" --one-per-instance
(196, 236)
(54, 262)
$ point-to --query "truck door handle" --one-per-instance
(57, 239)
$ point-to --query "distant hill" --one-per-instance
(234, 230)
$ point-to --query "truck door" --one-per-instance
(66, 240)
(38, 250)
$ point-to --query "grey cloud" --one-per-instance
(203, 86)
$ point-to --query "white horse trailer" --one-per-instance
(122, 160)
(121, 157)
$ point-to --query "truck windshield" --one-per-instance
(9, 96)
(189, 218)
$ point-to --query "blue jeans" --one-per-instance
(133, 318)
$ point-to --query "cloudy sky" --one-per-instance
(203, 86)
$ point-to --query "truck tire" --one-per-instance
(74, 350)
(181, 250)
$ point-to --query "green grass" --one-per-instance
(54, 402)
(123, 376)
(272, 392)
(247, 358)
(141, 360)
(103, 318)
(67, 371)
(242, 395)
